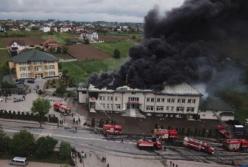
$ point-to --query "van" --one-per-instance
(19, 161)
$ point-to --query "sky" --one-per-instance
(83, 10)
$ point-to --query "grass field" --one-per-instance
(80, 71)
(122, 46)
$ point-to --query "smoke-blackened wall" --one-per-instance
(186, 45)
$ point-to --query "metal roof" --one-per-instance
(19, 159)
(34, 56)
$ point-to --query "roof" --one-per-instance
(33, 56)
(19, 159)
(181, 89)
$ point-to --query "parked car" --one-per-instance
(18, 99)
(20, 81)
(19, 161)
(31, 81)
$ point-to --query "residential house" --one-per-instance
(91, 36)
(34, 64)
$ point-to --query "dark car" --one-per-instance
(20, 81)
(31, 81)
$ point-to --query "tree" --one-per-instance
(116, 54)
(65, 151)
(61, 89)
(22, 143)
(44, 147)
(41, 108)
(4, 142)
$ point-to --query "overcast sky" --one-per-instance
(83, 10)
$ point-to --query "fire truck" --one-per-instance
(165, 134)
(222, 130)
(149, 143)
(198, 145)
(62, 108)
(236, 145)
(112, 129)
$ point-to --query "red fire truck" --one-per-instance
(198, 145)
(165, 134)
(149, 143)
(112, 129)
(223, 131)
(236, 145)
(62, 108)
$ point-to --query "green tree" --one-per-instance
(41, 108)
(44, 147)
(65, 151)
(116, 54)
(61, 89)
(22, 144)
(4, 142)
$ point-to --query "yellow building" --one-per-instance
(34, 64)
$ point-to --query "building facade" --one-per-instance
(174, 101)
(34, 64)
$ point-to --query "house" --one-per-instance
(173, 101)
(46, 29)
(91, 36)
(50, 45)
(65, 29)
(34, 64)
(16, 47)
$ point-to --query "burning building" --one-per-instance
(178, 101)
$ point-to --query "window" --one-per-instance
(167, 108)
(148, 99)
(152, 99)
(160, 108)
(103, 98)
(179, 100)
(168, 100)
(51, 73)
(51, 67)
(172, 100)
(180, 109)
(190, 109)
(149, 108)
(172, 108)
(118, 106)
(133, 99)
(158, 99)
(22, 68)
(116, 98)
(189, 100)
(111, 98)
(193, 100)
(183, 100)
(162, 99)
(107, 105)
(23, 75)
(100, 97)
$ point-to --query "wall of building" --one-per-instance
(144, 101)
(36, 69)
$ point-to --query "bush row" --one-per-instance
(26, 116)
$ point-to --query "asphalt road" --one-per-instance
(86, 139)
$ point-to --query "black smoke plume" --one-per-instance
(191, 44)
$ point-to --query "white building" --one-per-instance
(16, 47)
(91, 36)
(173, 101)
(46, 29)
